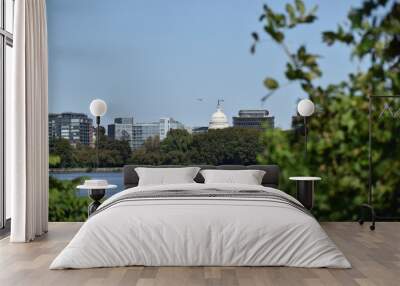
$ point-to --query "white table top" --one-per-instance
(83, 187)
(305, 178)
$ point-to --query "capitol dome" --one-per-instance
(218, 120)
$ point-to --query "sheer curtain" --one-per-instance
(27, 124)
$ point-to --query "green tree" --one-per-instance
(64, 205)
(339, 130)
(174, 149)
(149, 153)
(217, 147)
(113, 153)
(62, 148)
(123, 148)
(54, 160)
(85, 156)
(176, 140)
(226, 146)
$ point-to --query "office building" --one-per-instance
(254, 118)
(199, 130)
(75, 127)
(142, 131)
(168, 123)
(121, 129)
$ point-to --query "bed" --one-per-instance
(201, 224)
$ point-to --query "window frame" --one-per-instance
(6, 39)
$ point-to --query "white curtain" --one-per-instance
(27, 123)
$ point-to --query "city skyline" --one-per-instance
(231, 123)
(78, 128)
(111, 120)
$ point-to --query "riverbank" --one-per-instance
(85, 170)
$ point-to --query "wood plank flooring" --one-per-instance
(375, 257)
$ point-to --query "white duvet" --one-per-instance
(200, 231)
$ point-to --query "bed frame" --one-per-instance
(270, 179)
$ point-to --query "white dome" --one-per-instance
(218, 120)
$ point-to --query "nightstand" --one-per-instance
(97, 190)
(305, 190)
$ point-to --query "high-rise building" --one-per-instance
(168, 123)
(122, 129)
(254, 118)
(75, 127)
(142, 131)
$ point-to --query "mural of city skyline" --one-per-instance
(78, 128)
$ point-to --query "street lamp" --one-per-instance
(98, 108)
(305, 108)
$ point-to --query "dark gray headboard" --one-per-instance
(271, 177)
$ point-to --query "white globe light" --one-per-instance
(305, 107)
(98, 107)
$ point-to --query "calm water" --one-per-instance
(112, 178)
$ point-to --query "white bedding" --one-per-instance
(200, 231)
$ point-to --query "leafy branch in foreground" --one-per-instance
(338, 150)
(302, 66)
(375, 39)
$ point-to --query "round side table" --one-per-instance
(305, 190)
(96, 194)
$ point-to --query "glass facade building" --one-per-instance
(143, 131)
(122, 129)
(77, 128)
(168, 123)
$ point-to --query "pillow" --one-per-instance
(166, 176)
(248, 177)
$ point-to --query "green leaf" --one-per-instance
(355, 16)
(255, 36)
(276, 35)
(253, 49)
(292, 15)
(280, 20)
(309, 19)
(271, 83)
(328, 37)
(300, 6)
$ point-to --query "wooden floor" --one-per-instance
(375, 257)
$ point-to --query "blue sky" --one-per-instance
(151, 59)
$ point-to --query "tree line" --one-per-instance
(216, 147)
